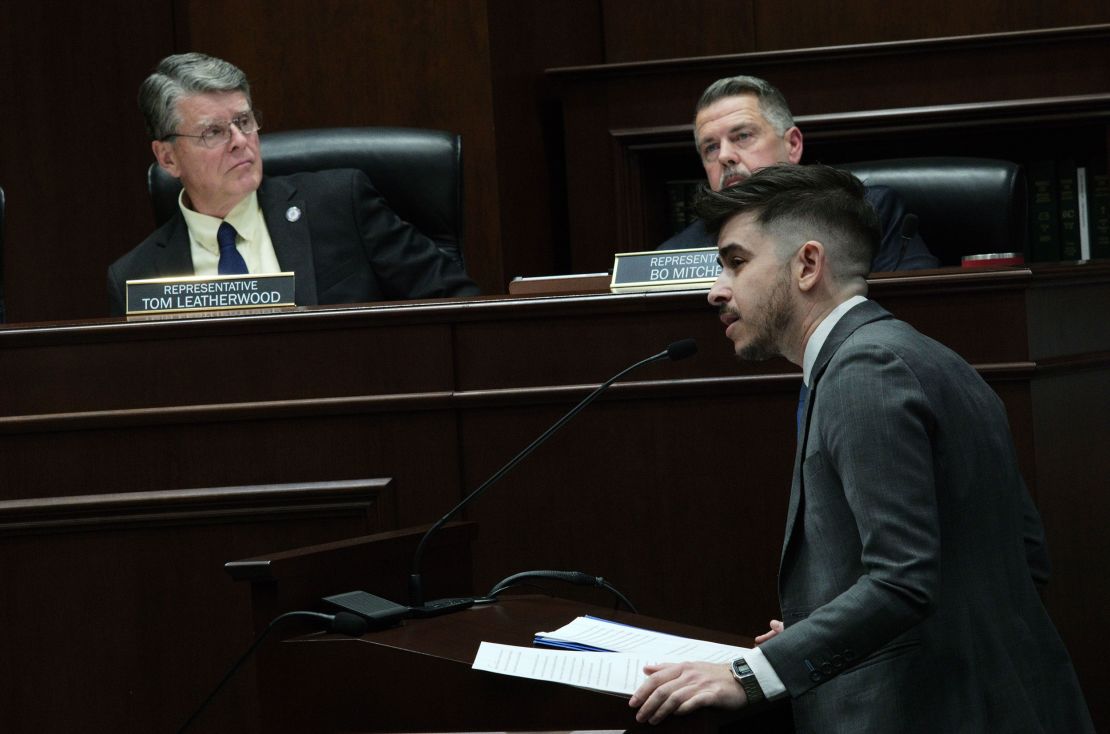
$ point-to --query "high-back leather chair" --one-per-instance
(965, 206)
(419, 172)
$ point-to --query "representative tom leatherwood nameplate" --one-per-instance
(209, 293)
(665, 270)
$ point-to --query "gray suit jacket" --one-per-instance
(347, 245)
(911, 550)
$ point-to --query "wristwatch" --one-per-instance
(743, 674)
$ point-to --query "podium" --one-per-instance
(416, 676)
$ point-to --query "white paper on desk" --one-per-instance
(623, 638)
(608, 672)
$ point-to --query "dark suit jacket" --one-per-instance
(347, 246)
(911, 550)
(895, 251)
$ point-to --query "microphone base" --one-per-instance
(378, 612)
(442, 606)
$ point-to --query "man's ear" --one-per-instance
(810, 264)
(166, 156)
(793, 140)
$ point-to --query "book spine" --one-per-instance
(1098, 214)
(1084, 224)
(1044, 234)
(1069, 209)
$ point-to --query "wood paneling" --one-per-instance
(525, 39)
(73, 151)
(782, 24)
(641, 30)
(120, 614)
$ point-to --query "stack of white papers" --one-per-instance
(598, 654)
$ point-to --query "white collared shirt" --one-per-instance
(253, 241)
(821, 333)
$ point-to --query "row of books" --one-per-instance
(1069, 210)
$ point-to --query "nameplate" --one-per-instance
(209, 293)
(665, 270)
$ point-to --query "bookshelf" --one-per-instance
(1020, 96)
(1067, 130)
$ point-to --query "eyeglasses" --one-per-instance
(219, 133)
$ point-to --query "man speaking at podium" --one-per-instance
(906, 580)
(331, 228)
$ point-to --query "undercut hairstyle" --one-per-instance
(771, 102)
(183, 75)
(796, 204)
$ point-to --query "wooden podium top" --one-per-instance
(417, 676)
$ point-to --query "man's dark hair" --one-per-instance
(801, 203)
(771, 102)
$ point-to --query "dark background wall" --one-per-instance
(73, 153)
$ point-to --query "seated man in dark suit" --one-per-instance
(331, 228)
(742, 124)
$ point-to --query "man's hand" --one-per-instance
(776, 627)
(679, 688)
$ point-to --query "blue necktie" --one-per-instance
(231, 262)
(801, 416)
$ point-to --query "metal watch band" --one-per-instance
(743, 674)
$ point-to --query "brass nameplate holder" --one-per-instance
(209, 293)
(665, 270)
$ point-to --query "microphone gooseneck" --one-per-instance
(675, 351)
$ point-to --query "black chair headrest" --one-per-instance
(419, 172)
(964, 206)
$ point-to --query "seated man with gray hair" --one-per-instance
(331, 228)
(742, 124)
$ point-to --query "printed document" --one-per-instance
(598, 654)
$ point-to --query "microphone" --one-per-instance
(676, 351)
(344, 623)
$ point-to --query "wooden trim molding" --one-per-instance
(1070, 108)
(945, 44)
(208, 505)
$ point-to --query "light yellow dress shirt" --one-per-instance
(253, 240)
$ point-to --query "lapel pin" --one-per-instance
(293, 213)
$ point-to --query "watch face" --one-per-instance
(746, 678)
